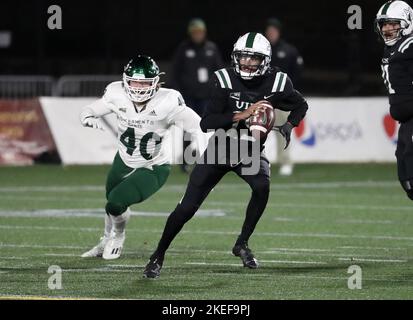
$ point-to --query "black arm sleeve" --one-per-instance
(293, 101)
(216, 115)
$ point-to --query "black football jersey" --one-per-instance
(397, 72)
(231, 94)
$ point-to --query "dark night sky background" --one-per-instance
(100, 36)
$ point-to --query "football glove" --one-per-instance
(285, 131)
(92, 122)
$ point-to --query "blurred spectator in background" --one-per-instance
(194, 62)
(286, 57)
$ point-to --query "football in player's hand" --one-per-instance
(261, 123)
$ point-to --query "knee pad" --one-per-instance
(115, 209)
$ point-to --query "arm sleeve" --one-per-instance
(96, 109)
(293, 101)
(216, 116)
(188, 120)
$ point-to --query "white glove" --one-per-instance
(92, 122)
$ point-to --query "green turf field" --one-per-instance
(318, 223)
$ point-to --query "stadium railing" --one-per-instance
(83, 85)
(29, 86)
(12, 87)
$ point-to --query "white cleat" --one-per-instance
(286, 170)
(114, 246)
(96, 251)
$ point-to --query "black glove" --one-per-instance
(285, 131)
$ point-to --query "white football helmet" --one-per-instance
(255, 51)
(394, 12)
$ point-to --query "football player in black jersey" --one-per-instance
(395, 26)
(234, 97)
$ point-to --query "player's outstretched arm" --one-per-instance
(89, 117)
(188, 120)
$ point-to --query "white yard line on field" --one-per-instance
(302, 235)
(61, 255)
(373, 248)
(28, 245)
(264, 261)
(293, 261)
(98, 212)
(221, 213)
(49, 188)
(292, 205)
(179, 187)
(373, 260)
(265, 234)
(13, 296)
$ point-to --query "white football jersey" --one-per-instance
(141, 131)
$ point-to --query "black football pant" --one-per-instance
(404, 155)
(203, 178)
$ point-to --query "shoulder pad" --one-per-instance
(279, 82)
(405, 44)
(223, 78)
(113, 87)
(173, 97)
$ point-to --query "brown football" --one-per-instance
(262, 123)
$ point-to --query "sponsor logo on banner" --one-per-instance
(391, 128)
(309, 135)
(305, 134)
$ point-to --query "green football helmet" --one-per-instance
(140, 78)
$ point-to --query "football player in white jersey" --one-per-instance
(144, 111)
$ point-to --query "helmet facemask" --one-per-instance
(391, 37)
(397, 18)
(251, 55)
(141, 78)
(142, 89)
(250, 64)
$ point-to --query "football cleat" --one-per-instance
(114, 246)
(96, 251)
(153, 268)
(247, 258)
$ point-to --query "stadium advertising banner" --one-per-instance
(334, 130)
(346, 130)
(76, 144)
(24, 132)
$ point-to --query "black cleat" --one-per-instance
(248, 259)
(153, 268)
